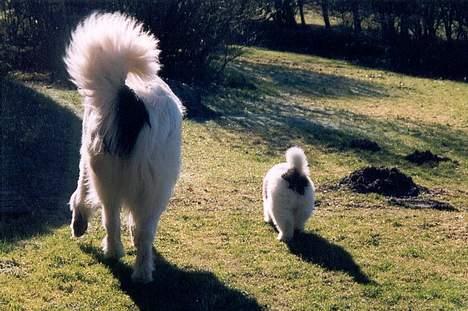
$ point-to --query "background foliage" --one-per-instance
(427, 37)
(33, 34)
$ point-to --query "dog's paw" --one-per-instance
(142, 274)
(79, 224)
(112, 250)
(284, 238)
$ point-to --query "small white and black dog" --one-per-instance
(131, 140)
(288, 194)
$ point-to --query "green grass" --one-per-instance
(215, 252)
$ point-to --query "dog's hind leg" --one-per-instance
(146, 218)
(144, 233)
(131, 227)
(108, 188)
(80, 211)
(112, 244)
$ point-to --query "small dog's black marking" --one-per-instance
(130, 117)
(297, 182)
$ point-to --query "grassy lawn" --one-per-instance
(213, 250)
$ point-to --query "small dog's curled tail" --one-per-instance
(296, 159)
(107, 47)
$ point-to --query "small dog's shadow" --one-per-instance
(174, 288)
(316, 250)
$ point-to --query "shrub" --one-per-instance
(192, 33)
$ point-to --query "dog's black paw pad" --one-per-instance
(79, 225)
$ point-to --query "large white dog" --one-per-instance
(288, 194)
(131, 141)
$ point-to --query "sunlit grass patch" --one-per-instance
(213, 249)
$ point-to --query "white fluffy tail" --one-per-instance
(104, 49)
(296, 159)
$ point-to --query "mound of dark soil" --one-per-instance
(364, 144)
(381, 180)
(422, 204)
(425, 157)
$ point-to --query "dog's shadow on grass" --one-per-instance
(174, 288)
(315, 249)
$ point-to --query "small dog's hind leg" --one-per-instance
(266, 203)
(286, 232)
(301, 217)
(284, 223)
(266, 212)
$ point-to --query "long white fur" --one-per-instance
(285, 208)
(106, 51)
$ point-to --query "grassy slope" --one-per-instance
(215, 251)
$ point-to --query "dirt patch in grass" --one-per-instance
(425, 157)
(381, 180)
(392, 182)
(364, 144)
(422, 203)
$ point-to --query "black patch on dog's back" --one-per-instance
(297, 182)
(130, 117)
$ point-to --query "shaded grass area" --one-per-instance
(175, 288)
(39, 155)
(317, 250)
(213, 250)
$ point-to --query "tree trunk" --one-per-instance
(300, 3)
(278, 12)
(326, 18)
(285, 13)
(356, 16)
(448, 21)
(429, 22)
(404, 26)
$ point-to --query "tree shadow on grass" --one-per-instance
(270, 114)
(299, 81)
(39, 161)
(317, 250)
(174, 288)
(279, 124)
